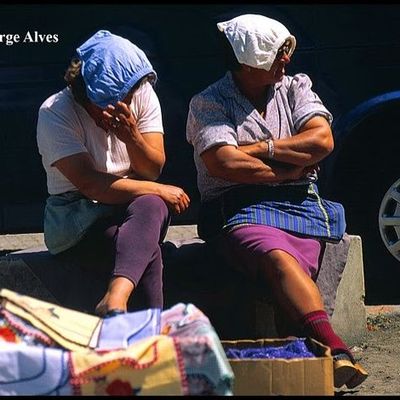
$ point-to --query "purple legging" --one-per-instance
(130, 242)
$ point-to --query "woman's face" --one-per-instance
(276, 72)
(128, 98)
(96, 112)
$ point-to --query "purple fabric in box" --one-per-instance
(295, 349)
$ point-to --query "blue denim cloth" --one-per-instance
(111, 66)
(68, 216)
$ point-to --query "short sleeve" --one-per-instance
(305, 103)
(57, 136)
(208, 124)
(147, 109)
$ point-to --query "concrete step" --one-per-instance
(32, 272)
(21, 241)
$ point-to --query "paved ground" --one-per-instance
(379, 353)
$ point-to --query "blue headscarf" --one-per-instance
(111, 66)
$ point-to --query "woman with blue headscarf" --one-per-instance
(101, 142)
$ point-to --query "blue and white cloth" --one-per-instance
(297, 209)
(310, 216)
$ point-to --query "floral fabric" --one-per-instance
(46, 349)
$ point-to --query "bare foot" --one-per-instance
(116, 297)
(106, 305)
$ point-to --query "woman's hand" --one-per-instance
(146, 151)
(175, 198)
(290, 172)
(121, 121)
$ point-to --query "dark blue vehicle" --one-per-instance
(351, 52)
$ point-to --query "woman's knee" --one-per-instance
(150, 204)
(278, 263)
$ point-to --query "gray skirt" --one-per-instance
(68, 216)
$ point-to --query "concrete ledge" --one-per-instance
(15, 242)
(349, 318)
(233, 306)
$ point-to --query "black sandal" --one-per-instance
(113, 313)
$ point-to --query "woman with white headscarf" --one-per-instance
(258, 136)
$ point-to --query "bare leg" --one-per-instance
(298, 296)
(272, 258)
(295, 292)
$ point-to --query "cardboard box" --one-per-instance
(297, 376)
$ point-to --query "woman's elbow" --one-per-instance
(222, 170)
(150, 172)
(94, 185)
(329, 144)
(90, 190)
(325, 143)
(154, 174)
(155, 171)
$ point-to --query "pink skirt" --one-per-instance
(244, 245)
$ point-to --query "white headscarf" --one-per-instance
(255, 39)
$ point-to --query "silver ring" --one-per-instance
(115, 123)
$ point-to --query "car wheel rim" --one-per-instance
(389, 220)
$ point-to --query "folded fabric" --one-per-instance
(149, 367)
(30, 370)
(16, 330)
(122, 330)
(130, 358)
(185, 320)
(72, 330)
(207, 368)
(48, 349)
